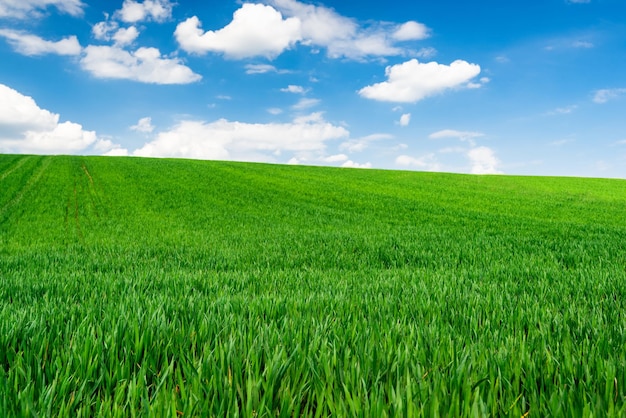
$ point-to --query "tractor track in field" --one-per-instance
(84, 167)
(92, 191)
(34, 178)
(83, 196)
(14, 167)
(79, 231)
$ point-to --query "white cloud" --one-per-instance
(427, 162)
(125, 36)
(405, 119)
(410, 31)
(143, 125)
(479, 84)
(225, 139)
(336, 158)
(294, 89)
(116, 152)
(256, 30)
(261, 69)
(19, 113)
(155, 10)
(374, 44)
(104, 30)
(274, 111)
(26, 128)
(360, 144)
(110, 30)
(352, 164)
(344, 37)
(412, 81)
(145, 65)
(319, 25)
(305, 103)
(261, 30)
(27, 44)
(483, 160)
(426, 52)
(465, 136)
(452, 150)
(108, 148)
(604, 95)
(33, 8)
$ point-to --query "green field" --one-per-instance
(138, 287)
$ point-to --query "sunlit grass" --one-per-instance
(169, 287)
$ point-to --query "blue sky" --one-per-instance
(532, 88)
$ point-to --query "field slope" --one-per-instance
(193, 288)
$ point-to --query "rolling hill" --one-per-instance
(202, 288)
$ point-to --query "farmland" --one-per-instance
(194, 288)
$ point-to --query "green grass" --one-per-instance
(137, 287)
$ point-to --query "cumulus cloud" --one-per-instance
(116, 152)
(34, 8)
(104, 30)
(125, 36)
(412, 81)
(337, 158)
(256, 30)
(225, 139)
(352, 164)
(30, 45)
(405, 119)
(320, 25)
(26, 128)
(107, 147)
(268, 30)
(110, 31)
(410, 31)
(483, 161)
(145, 65)
(154, 10)
(360, 144)
(143, 125)
(294, 89)
(604, 95)
(479, 84)
(426, 162)
(343, 37)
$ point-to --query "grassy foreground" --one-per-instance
(137, 287)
